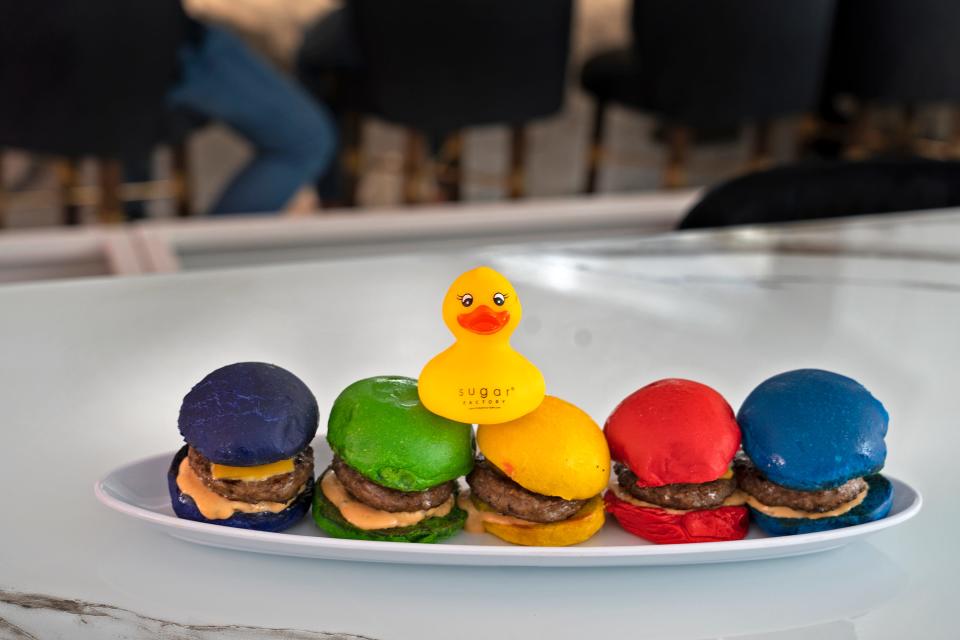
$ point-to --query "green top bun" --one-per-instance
(378, 427)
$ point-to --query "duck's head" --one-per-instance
(481, 303)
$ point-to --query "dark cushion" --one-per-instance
(828, 190)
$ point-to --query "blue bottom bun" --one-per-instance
(186, 508)
(875, 506)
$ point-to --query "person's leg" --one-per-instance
(293, 136)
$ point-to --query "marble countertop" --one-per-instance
(92, 373)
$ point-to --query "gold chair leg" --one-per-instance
(595, 152)
(4, 198)
(678, 144)
(516, 181)
(450, 175)
(865, 139)
(180, 172)
(953, 142)
(66, 171)
(413, 167)
(760, 152)
(352, 157)
(907, 132)
(110, 206)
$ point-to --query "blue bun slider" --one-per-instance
(247, 461)
(813, 446)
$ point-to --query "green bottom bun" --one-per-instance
(875, 506)
(435, 529)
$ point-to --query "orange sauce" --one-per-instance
(366, 517)
(212, 505)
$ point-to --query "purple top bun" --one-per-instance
(249, 413)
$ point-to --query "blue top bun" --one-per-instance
(249, 413)
(811, 429)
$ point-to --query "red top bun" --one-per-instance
(673, 431)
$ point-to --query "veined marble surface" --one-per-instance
(26, 616)
(92, 373)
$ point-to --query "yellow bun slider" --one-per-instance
(556, 450)
(576, 529)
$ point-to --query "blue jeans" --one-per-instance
(293, 136)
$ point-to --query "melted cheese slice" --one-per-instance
(368, 518)
(214, 506)
(251, 474)
(476, 518)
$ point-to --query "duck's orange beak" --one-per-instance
(484, 320)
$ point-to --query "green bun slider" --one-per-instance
(395, 466)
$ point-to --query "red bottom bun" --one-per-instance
(662, 527)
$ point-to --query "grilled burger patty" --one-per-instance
(279, 488)
(703, 495)
(490, 485)
(751, 480)
(385, 499)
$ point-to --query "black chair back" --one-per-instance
(897, 51)
(717, 63)
(441, 65)
(829, 190)
(80, 78)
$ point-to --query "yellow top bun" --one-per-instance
(557, 450)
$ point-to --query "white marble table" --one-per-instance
(92, 373)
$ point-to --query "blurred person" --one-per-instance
(294, 137)
(88, 78)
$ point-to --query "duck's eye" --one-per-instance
(466, 299)
(499, 299)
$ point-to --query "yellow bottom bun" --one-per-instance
(574, 530)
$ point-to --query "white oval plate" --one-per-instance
(139, 490)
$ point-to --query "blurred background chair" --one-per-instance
(829, 190)
(437, 67)
(889, 53)
(68, 93)
(707, 65)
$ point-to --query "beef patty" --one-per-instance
(492, 486)
(279, 488)
(704, 495)
(386, 499)
(751, 480)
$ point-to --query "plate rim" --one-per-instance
(290, 541)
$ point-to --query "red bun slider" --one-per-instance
(674, 441)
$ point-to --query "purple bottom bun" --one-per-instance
(186, 508)
(874, 507)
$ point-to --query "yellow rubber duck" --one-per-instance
(480, 378)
